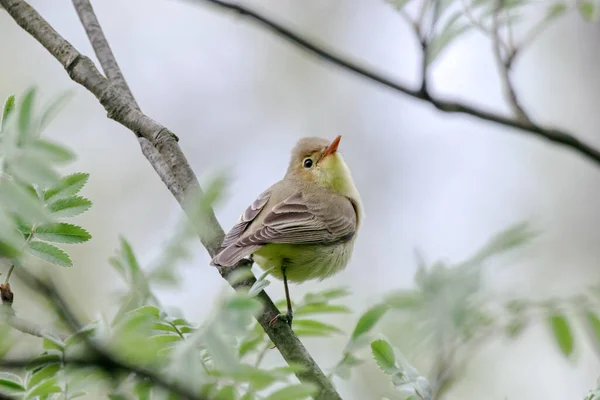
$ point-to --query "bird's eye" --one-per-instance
(307, 163)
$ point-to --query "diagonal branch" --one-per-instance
(178, 176)
(553, 135)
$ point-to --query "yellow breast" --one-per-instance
(304, 262)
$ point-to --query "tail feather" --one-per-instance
(231, 255)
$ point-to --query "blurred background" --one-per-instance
(239, 97)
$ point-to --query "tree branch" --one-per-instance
(179, 177)
(101, 358)
(553, 135)
(504, 66)
(8, 315)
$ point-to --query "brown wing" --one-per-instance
(246, 218)
(318, 218)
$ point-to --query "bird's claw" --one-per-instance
(287, 317)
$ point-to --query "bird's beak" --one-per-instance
(332, 147)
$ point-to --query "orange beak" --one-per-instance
(332, 147)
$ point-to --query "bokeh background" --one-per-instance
(239, 97)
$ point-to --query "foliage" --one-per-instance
(34, 198)
(222, 357)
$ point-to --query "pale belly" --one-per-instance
(304, 262)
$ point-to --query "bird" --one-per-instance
(304, 226)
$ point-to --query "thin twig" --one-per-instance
(553, 135)
(101, 47)
(9, 273)
(177, 176)
(504, 65)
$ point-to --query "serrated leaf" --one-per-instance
(68, 186)
(43, 374)
(69, 207)
(9, 106)
(10, 386)
(50, 253)
(163, 326)
(51, 343)
(29, 167)
(46, 387)
(143, 390)
(321, 308)
(294, 392)
(11, 383)
(562, 333)
(594, 324)
(404, 299)
(586, 9)
(226, 393)
(51, 357)
(164, 339)
(60, 232)
(54, 108)
(147, 310)
(555, 11)
(51, 152)
(258, 287)
(451, 30)
(369, 319)
(19, 201)
(384, 356)
(25, 117)
(315, 325)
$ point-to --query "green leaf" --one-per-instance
(68, 186)
(317, 326)
(54, 108)
(555, 11)
(226, 393)
(51, 152)
(9, 106)
(25, 117)
(147, 310)
(369, 319)
(143, 390)
(69, 206)
(51, 357)
(294, 392)
(77, 394)
(259, 379)
(43, 374)
(10, 383)
(586, 9)
(594, 324)
(50, 253)
(162, 340)
(47, 387)
(51, 343)
(165, 327)
(21, 202)
(62, 233)
(384, 356)
(31, 168)
(404, 299)
(562, 333)
(451, 30)
(321, 308)
(258, 287)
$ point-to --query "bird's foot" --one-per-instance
(287, 317)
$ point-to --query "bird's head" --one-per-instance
(316, 160)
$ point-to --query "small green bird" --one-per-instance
(304, 226)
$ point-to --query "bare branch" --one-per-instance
(174, 169)
(504, 64)
(8, 315)
(102, 48)
(553, 135)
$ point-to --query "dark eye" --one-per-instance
(307, 163)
